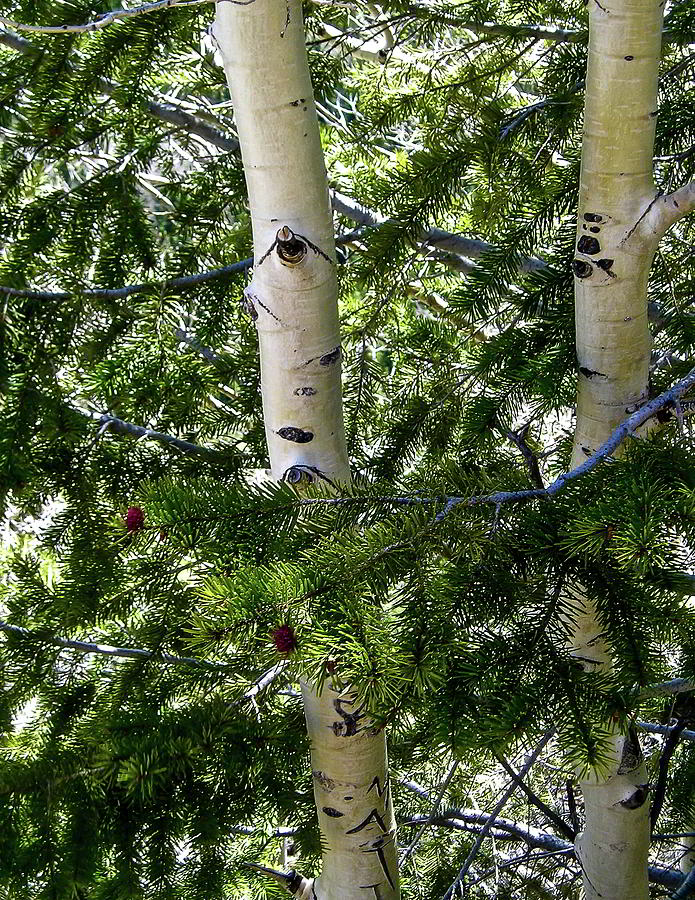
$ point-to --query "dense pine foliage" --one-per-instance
(146, 776)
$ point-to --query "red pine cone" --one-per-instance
(135, 519)
(284, 638)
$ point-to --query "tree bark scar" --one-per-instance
(588, 245)
(304, 391)
(377, 784)
(329, 358)
(581, 268)
(372, 817)
(589, 373)
(298, 435)
(326, 783)
(349, 726)
(332, 812)
(634, 801)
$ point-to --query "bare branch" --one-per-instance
(106, 649)
(112, 423)
(675, 686)
(667, 751)
(433, 813)
(550, 814)
(668, 209)
(655, 728)
(530, 760)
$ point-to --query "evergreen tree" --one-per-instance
(479, 589)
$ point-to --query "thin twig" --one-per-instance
(667, 752)
(530, 760)
(433, 812)
(550, 814)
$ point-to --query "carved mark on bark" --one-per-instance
(298, 435)
(376, 783)
(350, 724)
(249, 301)
(372, 817)
(326, 783)
(304, 391)
(327, 359)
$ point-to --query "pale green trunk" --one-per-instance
(293, 299)
(614, 253)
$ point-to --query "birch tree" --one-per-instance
(501, 590)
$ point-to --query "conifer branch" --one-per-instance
(407, 853)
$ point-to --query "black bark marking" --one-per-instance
(594, 229)
(294, 885)
(249, 302)
(296, 103)
(376, 783)
(304, 392)
(382, 859)
(627, 319)
(350, 724)
(675, 203)
(372, 817)
(581, 268)
(634, 801)
(347, 798)
(298, 435)
(629, 58)
(373, 887)
(297, 473)
(606, 265)
(326, 783)
(589, 373)
(329, 358)
(587, 452)
(588, 245)
(333, 813)
(631, 757)
(248, 306)
(592, 217)
(653, 114)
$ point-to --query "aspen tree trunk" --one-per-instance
(614, 251)
(293, 300)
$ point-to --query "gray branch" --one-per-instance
(112, 423)
(106, 649)
(655, 728)
(506, 794)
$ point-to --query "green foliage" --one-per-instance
(124, 778)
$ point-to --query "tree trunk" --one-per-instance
(293, 300)
(616, 242)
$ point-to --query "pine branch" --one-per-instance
(106, 649)
(165, 112)
(109, 18)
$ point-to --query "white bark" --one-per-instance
(617, 237)
(293, 300)
(293, 293)
(353, 799)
